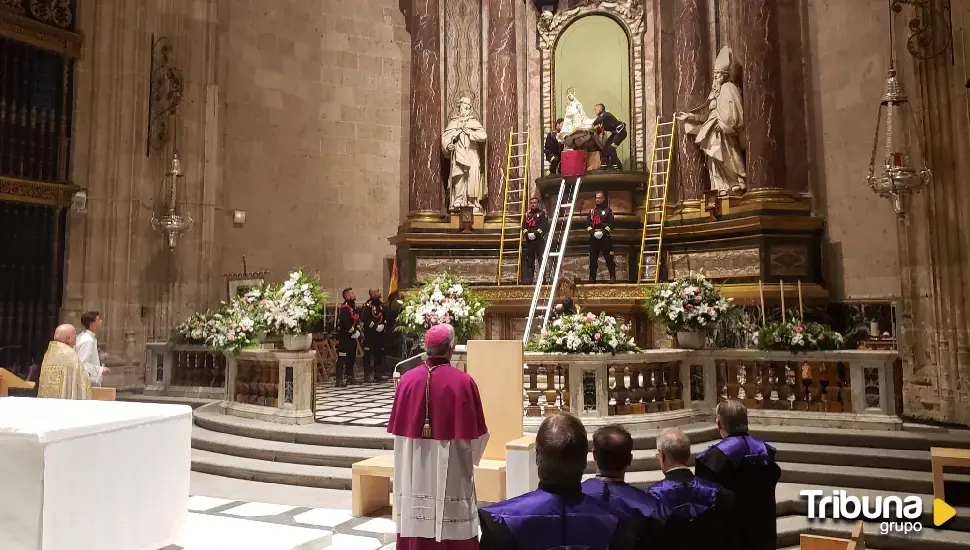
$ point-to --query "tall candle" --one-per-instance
(801, 309)
(761, 291)
(782, 283)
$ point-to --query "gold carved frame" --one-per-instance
(629, 14)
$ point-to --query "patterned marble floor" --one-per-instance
(358, 405)
(220, 524)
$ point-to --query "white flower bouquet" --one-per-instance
(293, 306)
(442, 300)
(192, 331)
(585, 333)
(235, 326)
(797, 335)
(689, 304)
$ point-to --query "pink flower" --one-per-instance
(590, 317)
(821, 337)
(799, 329)
(545, 333)
(775, 324)
(231, 337)
(777, 339)
(690, 306)
(597, 336)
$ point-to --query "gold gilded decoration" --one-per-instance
(13, 5)
(788, 260)
(717, 264)
(57, 12)
(29, 31)
(35, 192)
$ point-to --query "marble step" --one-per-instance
(250, 469)
(912, 438)
(328, 435)
(279, 451)
(194, 402)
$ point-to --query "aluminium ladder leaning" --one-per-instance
(559, 226)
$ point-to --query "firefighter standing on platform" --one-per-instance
(599, 225)
(375, 335)
(534, 229)
(348, 330)
(617, 131)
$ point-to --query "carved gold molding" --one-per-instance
(58, 195)
(29, 31)
(630, 15)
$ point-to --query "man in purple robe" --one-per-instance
(613, 453)
(695, 510)
(745, 465)
(439, 437)
(558, 515)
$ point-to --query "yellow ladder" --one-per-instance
(655, 209)
(514, 205)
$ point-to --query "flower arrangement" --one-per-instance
(293, 306)
(443, 300)
(193, 330)
(689, 304)
(232, 329)
(585, 333)
(796, 335)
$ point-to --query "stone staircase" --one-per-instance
(861, 462)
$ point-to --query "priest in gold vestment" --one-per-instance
(62, 376)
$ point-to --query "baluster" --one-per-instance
(833, 388)
(551, 393)
(622, 393)
(637, 393)
(676, 388)
(564, 384)
(845, 387)
(815, 389)
(801, 386)
(765, 384)
(650, 388)
(611, 390)
(733, 379)
(750, 386)
(533, 393)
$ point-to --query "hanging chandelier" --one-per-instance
(897, 168)
(172, 220)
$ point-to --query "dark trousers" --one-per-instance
(346, 357)
(610, 158)
(554, 165)
(531, 252)
(602, 246)
(373, 357)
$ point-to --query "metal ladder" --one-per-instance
(555, 250)
(655, 209)
(514, 204)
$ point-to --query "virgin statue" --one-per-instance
(574, 118)
(719, 132)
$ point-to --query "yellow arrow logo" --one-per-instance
(942, 512)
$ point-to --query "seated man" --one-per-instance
(695, 510)
(558, 514)
(62, 376)
(613, 453)
(745, 465)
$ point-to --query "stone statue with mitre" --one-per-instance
(462, 142)
(718, 133)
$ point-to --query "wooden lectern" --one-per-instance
(815, 542)
(10, 380)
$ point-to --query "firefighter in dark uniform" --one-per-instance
(599, 224)
(617, 131)
(534, 229)
(373, 319)
(348, 330)
(553, 148)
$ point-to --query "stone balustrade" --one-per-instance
(185, 371)
(673, 386)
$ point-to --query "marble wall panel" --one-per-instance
(463, 51)
(717, 264)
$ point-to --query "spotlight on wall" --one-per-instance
(238, 217)
(79, 203)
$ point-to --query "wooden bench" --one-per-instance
(944, 456)
(857, 541)
(371, 483)
(103, 394)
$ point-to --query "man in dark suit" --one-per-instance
(553, 148)
(617, 132)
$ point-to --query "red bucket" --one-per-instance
(573, 163)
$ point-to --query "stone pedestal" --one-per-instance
(294, 391)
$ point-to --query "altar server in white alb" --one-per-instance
(87, 347)
(439, 437)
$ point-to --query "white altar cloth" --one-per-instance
(92, 475)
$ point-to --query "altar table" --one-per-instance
(92, 475)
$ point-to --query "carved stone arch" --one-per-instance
(629, 14)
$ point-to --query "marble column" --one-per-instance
(501, 102)
(425, 154)
(763, 120)
(692, 64)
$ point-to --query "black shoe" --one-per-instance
(340, 384)
(352, 382)
(591, 281)
(368, 379)
(612, 280)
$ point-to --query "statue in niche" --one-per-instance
(719, 132)
(461, 142)
(577, 128)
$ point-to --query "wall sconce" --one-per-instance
(238, 218)
(172, 220)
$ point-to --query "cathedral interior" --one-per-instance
(158, 155)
